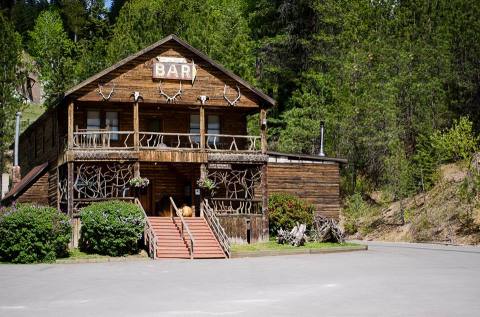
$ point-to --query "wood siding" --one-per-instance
(136, 75)
(235, 227)
(318, 184)
(36, 193)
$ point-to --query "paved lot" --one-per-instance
(387, 280)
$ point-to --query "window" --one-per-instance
(93, 120)
(195, 127)
(155, 125)
(213, 127)
(111, 123)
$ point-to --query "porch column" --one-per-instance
(202, 127)
(70, 123)
(264, 179)
(136, 126)
(203, 174)
(73, 221)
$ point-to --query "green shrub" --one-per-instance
(32, 234)
(355, 209)
(286, 210)
(111, 228)
(458, 142)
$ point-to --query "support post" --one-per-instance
(264, 179)
(202, 127)
(136, 169)
(70, 205)
(203, 174)
(136, 126)
(70, 122)
(263, 129)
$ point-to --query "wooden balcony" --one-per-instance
(162, 146)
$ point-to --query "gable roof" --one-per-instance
(25, 183)
(172, 37)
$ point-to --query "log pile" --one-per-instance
(296, 237)
(326, 230)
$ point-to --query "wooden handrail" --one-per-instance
(183, 228)
(148, 233)
(216, 227)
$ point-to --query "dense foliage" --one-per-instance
(285, 210)
(111, 228)
(33, 234)
(388, 77)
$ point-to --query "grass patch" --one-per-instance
(273, 245)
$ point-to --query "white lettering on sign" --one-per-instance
(173, 70)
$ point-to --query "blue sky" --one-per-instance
(108, 3)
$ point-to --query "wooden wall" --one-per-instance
(36, 193)
(318, 184)
(136, 75)
(235, 227)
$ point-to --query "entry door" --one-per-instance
(146, 198)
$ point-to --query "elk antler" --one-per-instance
(234, 102)
(171, 99)
(100, 92)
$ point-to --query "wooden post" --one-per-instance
(263, 179)
(203, 174)
(70, 206)
(263, 129)
(136, 126)
(202, 127)
(71, 111)
(136, 169)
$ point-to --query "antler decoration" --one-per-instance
(234, 102)
(100, 92)
(171, 99)
(136, 96)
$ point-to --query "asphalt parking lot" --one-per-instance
(387, 280)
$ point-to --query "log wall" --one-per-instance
(36, 193)
(317, 183)
(235, 227)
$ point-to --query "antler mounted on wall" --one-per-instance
(105, 97)
(234, 102)
(171, 99)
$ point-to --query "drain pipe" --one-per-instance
(322, 123)
(16, 175)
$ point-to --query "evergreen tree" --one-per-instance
(52, 49)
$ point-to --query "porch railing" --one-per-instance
(236, 206)
(149, 238)
(216, 227)
(184, 228)
(232, 143)
(167, 141)
(102, 139)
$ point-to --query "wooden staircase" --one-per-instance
(171, 244)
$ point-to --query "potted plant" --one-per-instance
(207, 185)
(139, 183)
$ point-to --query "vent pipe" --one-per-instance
(322, 124)
(17, 137)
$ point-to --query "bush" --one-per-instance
(111, 228)
(32, 234)
(458, 142)
(286, 210)
(355, 209)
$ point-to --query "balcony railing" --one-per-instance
(124, 140)
(167, 141)
(103, 139)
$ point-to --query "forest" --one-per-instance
(397, 82)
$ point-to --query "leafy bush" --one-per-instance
(111, 228)
(458, 142)
(286, 210)
(355, 209)
(32, 234)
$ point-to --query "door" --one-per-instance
(146, 198)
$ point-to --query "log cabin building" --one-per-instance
(175, 117)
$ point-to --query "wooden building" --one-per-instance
(172, 115)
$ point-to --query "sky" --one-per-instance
(108, 3)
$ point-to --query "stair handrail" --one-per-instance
(216, 227)
(148, 233)
(183, 228)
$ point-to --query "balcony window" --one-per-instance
(195, 127)
(213, 127)
(93, 120)
(111, 123)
